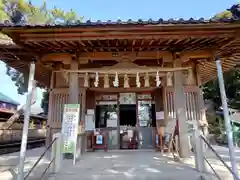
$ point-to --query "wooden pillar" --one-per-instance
(160, 123)
(203, 118)
(50, 112)
(74, 84)
(180, 106)
(83, 103)
(118, 122)
(83, 107)
(164, 100)
(159, 104)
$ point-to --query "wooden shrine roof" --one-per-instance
(25, 42)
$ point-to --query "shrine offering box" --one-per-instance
(100, 141)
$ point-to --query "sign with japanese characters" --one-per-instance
(70, 127)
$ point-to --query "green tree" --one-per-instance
(224, 14)
(232, 87)
(231, 78)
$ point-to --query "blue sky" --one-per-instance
(125, 9)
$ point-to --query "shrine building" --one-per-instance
(134, 76)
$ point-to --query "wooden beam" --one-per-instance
(63, 57)
(92, 75)
(131, 27)
(119, 36)
(127, 31)
(118, 56)
(129, 71)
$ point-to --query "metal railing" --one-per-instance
(39, 159)
(220, 158)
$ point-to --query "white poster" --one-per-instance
(70, 127)
(90, 112)
(112, 123)
(143, 123)
(89, 122)
(160, 115)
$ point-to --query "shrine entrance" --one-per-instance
(129, 118)
(128, 115)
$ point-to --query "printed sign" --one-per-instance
(89, 122)
(160, 115)
(70, 127)
(143, 123)
(99, 139)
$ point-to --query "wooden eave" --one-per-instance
(221, 38)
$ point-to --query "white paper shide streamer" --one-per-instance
(169, 79)
(106, 81)
(115, 82)
(146, 79)
(158, 82)
(96, 79)
(138, 81)
(126, 81)
(86, 80)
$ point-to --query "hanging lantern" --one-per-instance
(96, 80)
(146, 79)
(115, 82)
(138, 81)
(86, 80)
(158, 81)
(169, 79)
(106, 81)
(126, 81)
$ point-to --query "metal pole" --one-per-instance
(226, 117)
(27, 112)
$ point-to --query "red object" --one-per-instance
(104, 145)
(89, 142)
(132, 144)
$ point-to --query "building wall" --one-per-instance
(7, 107)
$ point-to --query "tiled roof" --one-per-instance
(6, 99)
(128, 22)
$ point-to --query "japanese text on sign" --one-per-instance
(70, 127)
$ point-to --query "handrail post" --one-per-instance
(27, 111)
(198, 151)
(226, 117)
(56, 155)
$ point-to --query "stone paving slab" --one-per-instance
(217, 164)
(136, 165)
(9, 164)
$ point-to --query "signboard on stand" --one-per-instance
(70, 128)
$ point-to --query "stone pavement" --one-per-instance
(216, 163)
(9, 164)
(136, 165)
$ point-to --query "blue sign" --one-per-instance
(156, 139)
(99, 139)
